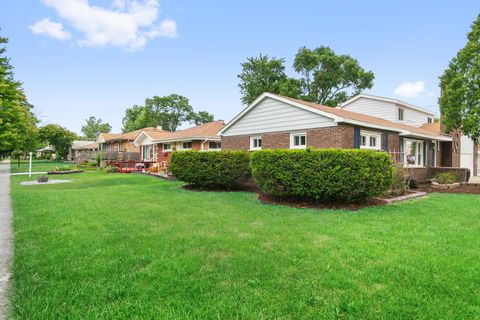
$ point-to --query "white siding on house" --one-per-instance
(143, 140)
(274, 116)
(387, 110)
(466, 153)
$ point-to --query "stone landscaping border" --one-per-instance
(65, 172)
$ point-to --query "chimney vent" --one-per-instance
(159, 128)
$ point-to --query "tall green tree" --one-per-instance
(58, 137)
(460, 86)
(264, 74)
(328, 78)
(169, 112)
(202, 117)
(325, 77)
(93, 127)
(17, 121)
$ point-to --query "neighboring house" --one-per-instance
(273, 121)
(83, 151)
(400, 112)
(77, 145)
(120, 146)
(48, 149)
(157, 146)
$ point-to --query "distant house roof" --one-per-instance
(394, 101)
(130, 136)
(341, 115)
(78, 144)
(204, 131)
(90, 146)
(47, 148)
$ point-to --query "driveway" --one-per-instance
(6, 237)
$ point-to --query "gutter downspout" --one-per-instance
(201, 146)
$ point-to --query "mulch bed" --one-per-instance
(319, 205)
(64, 172)
(465, 188)
(243, 188)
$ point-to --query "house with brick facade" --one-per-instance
(157, 145)
(120, 146)
(409, 133)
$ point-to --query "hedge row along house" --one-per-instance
(157, 145)
(409, 133)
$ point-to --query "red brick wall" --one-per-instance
(236, 143)
(341, 136)
(475, 160)
(456, 147)
(279, 140)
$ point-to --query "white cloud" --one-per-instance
(409, 89)
(128, 23)
(51, 29)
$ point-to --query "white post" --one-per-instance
(30, 165)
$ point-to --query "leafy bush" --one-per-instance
(446, 177)
(225, 169)
(64, 168)
(111, 170)
(399, 182)
(322, 175)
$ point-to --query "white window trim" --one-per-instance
(422, 149)
(166, 150)
(251, 142)
(144, 147)
(215, 149)
(292, 138)
(368, 135)
(403, 114)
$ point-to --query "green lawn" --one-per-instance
(37, 165)
(136, 247)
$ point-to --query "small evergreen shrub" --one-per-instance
(446, 177)
(224, 169)
(399, 182)
(326, 175)
(111, 170)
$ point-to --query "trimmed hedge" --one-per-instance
(326, 175)
(213, 169)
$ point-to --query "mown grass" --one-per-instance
(37, 165)
(110, 246)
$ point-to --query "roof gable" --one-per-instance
(389, 100)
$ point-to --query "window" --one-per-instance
(400, 114)
(214, 145)
(167, 147)
(370, 140)
(298, 140)
(430, 120)
(414, 153)
(146, 152)
(119, 146)
(187, 145)
(255, 143)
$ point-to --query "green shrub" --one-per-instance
(446, 177)
(64, 168)
(226, 169)
(399, 182)
(322, 175)
(111, 170)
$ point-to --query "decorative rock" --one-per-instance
(42, 179)
(445, 186)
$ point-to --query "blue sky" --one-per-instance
(79, 58)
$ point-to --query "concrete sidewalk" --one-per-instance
(6, 238)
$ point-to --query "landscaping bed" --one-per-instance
(463, 188)
(65, 172)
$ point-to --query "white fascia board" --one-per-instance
(369, 125)
(286, 101)
(408, 134)
(394, 101)
(143, 133)
(186, 139)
